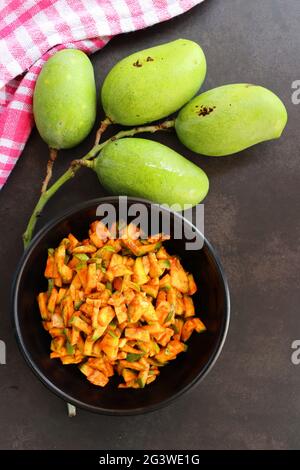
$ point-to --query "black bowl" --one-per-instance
(211, 300)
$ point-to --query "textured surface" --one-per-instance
(251, 398)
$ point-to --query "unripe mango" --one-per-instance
(64, 99)
(153, 83)
(230, 118)
(150, 170)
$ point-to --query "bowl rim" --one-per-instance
(39, 373)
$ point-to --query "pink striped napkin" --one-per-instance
(33, 30)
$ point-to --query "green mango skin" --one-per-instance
(230, 118)
(147, 169)
(64, 99)
(153, 83)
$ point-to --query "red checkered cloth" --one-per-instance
(33, 30)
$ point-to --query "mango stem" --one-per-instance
(103, 126)
(76, 164)
(80, 163)
(50, 163)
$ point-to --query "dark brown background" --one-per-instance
(251, 398)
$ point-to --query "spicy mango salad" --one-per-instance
(117, 305)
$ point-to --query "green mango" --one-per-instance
(230, 118)
(147, 169)
(153, 83)
(64, 99)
